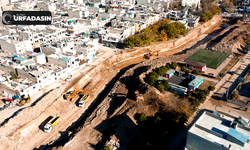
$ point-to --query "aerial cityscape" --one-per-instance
(125, 74)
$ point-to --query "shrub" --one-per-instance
(157, 119)
(173, 65)
(196, 72)
(235, 96)
(14, 76)
(183, 68)
(107, 147)
(211, 88)
(222, 74)
(143, 117)
(160, 87)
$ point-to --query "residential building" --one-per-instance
(195, 3)
(195, 83)
(15, 45)
(196, 65)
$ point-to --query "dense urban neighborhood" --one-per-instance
(118, 75)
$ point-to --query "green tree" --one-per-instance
(174, 29)
(165, 84)
(173, 65)
(107, 147)
(143, 117)
(211, 88)
(154, 74)
(152, 80)
(216, 10)
(129, 41)
(160, 87)
(14, 76)
(157, 119)
(153, 77)
(207, 15)
(162, 70)
(138, 41)
(183, 68)
(163, 36)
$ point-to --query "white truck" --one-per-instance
(51, 124)
(83, 100)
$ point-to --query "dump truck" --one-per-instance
(83, 100)
(148, 56)
(138, 96)
(51, 124)
(72, 95)
(24, 100)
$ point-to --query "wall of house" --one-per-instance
(8, 46)
(7, 68)
(48, 50)
(58, 62)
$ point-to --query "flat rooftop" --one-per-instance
(216, 130)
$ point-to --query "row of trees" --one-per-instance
(160, 31)
(199, 96)
(207, 14)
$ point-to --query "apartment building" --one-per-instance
(15, 45)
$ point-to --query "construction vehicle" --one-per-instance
(51, 124)
(138, 96)
(24, 100)
(73, 95)
(83, 100)
(148, 56)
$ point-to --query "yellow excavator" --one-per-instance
(72, 95)
(24, 100)
(148, 56)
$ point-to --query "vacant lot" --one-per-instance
(213, 59)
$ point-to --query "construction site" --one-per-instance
(99, 109)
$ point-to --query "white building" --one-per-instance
(219, 132)
(15, 45)
(190, 3)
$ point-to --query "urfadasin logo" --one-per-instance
(7, 18)
(26, 17)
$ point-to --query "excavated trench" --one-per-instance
(78, 125)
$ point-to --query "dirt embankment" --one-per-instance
(10, 131)
(232, 39)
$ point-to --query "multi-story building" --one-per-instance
(219, 132)
(15, 45)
